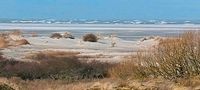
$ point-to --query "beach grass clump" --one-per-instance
(173, 58)
(56, 36)
(5, 87)
(90, 38)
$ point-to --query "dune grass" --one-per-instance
(172, 59)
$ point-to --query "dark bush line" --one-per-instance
(60, 68)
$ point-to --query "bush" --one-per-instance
(5, 87)
(90, 38)
(63, 65)
(173, 58)
(124, 70)
(56, 36)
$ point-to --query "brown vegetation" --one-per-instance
(54, 65)
(90, 38)
(105, 84)
(21, 42)
(49, 54)
(3, 43)
(172, 59)
(56, 36)
(6, 87)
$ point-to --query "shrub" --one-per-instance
(90, 38)
(52, 65)
(173, 58)
(56, 36)
(5, 87)
(124, 70)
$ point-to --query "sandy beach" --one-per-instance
(102, 47)
(128, 39)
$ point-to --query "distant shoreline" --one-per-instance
(10, 26)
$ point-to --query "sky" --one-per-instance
(100, 9)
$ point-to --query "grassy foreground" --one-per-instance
(173, 64)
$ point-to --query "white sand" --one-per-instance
(102, 47)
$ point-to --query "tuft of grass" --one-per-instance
(56, 36)
(5, 87)
(90, 38)
(173, 58)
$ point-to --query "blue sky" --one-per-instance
(100, 9)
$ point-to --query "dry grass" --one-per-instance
(90, 38)
(49, 54)
(172, 59)
(22, 42)
(3, 43)
(176, 59)
(56, 36)
(105, 84)
(56, 65)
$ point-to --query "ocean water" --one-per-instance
(129, 32)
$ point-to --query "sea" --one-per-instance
(130, 30)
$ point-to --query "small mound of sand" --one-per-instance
(34, 34)
(22, 42)
(3, 43)
(15, 35)
(16, 32)
(151, 38)
(14, 38)
(68, 35)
